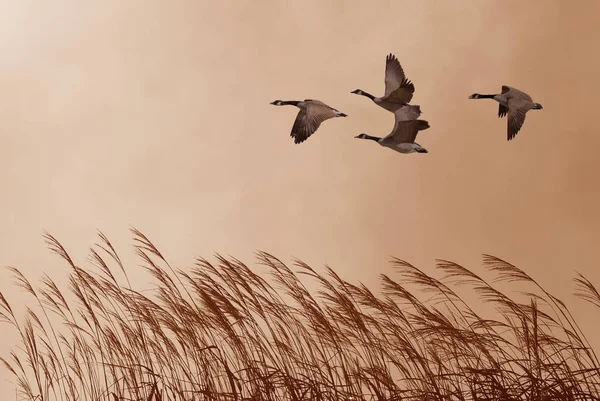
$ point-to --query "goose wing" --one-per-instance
(511, 92)
(406, 131)
(502, 110)
(516, 115)
(514, 94)
(309, 119)
(407, 112)
(397, 87)
(519, 103)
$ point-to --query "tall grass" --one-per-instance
(222, 331)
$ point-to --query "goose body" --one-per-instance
(312, 113)
(513, 102)
(406, 127)
(398, 89)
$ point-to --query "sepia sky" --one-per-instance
(156, 115)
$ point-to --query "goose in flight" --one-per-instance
(513, 102)
(406, 127)
(398, 89)
(312, 113)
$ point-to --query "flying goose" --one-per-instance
(398, 89)
(312, 113)
(406, 127)
(514, 102)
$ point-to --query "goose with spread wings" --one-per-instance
(398, 89)
(312, 113)
(406, 127)
(513, 102)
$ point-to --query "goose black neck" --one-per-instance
(373, 138)
(291, 102)
(485, 96)
(368, 95)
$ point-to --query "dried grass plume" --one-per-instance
(224, 331)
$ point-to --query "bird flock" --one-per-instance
(399, 91)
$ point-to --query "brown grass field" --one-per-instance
(225, 331)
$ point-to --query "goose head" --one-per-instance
(361, 136)
(277, 103)
(537, 106)
(475, 96)
(357, 92)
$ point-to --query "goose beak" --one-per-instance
(273, 103)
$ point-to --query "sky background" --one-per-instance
(156, 115)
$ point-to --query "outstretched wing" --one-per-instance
(513, 93)
(406, 131)
(407, 112)
(516, 116)
(309, 119)
(396, 83)
(502, 110)
(403, 94)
